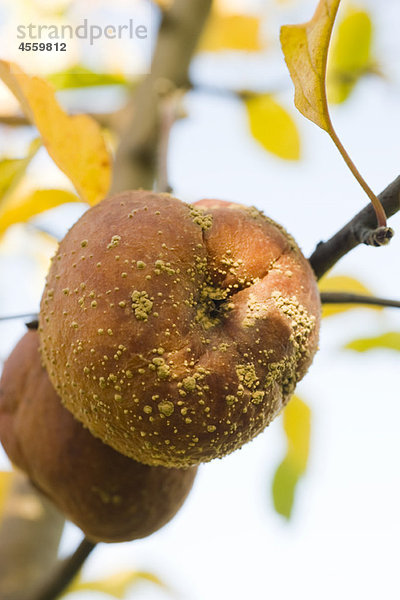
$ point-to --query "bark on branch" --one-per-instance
(30, 533)
(359, 230)
(179, 33)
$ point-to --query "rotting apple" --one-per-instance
(177, 332)
(111, 497)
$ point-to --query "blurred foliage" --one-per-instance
(350, 56)
(12, 171)
(390, 341)
(19, 209)
(5, 484)
(231, 32)
(80, 76)
(343, 283)
(116, 585)
(89, 169)
(273, 127)
(297, 427)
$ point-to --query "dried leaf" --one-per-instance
(21, 209)
(350, 56)
(342, 283)
(75, 143)
(297, 427)
(306, 52)
(390, 341)
(231, 32)
(305, 48)
(273, 126)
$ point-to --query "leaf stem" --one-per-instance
(376, 203)
(347, 298)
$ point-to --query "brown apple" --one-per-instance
(112, 498)
(177, 332)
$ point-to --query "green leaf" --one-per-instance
(297, 427)
(273, 127)
(342, 283)
(350, 56)
(13, 169)
(116, 585)
(80, 76)
(284, 488)
(390, 340)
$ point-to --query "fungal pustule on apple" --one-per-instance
(177, 332)
(111, 497)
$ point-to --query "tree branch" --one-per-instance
(169, 112)
(24, 316)
(136, 158)
(66, 572)
(104, 119)
(346, 298)
(360, 230)
(30, 533)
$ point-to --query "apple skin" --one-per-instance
(112, 498)
(177, 332)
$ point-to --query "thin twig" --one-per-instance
(66, 572)
(104, 119)
(169, 109)
(24, 316)
(360, 230)
(347, 298)
(30, 532)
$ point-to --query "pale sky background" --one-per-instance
(227, 541)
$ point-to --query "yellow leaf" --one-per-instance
(273, 127)
(5, 484)
(305, 48)
(115, 585)
(12, 170)
(297, 426)
(350, 56)
(75, 143)
(342, 283)
(390, 341)
(231, 32)
(306, 53)
(21, 209)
